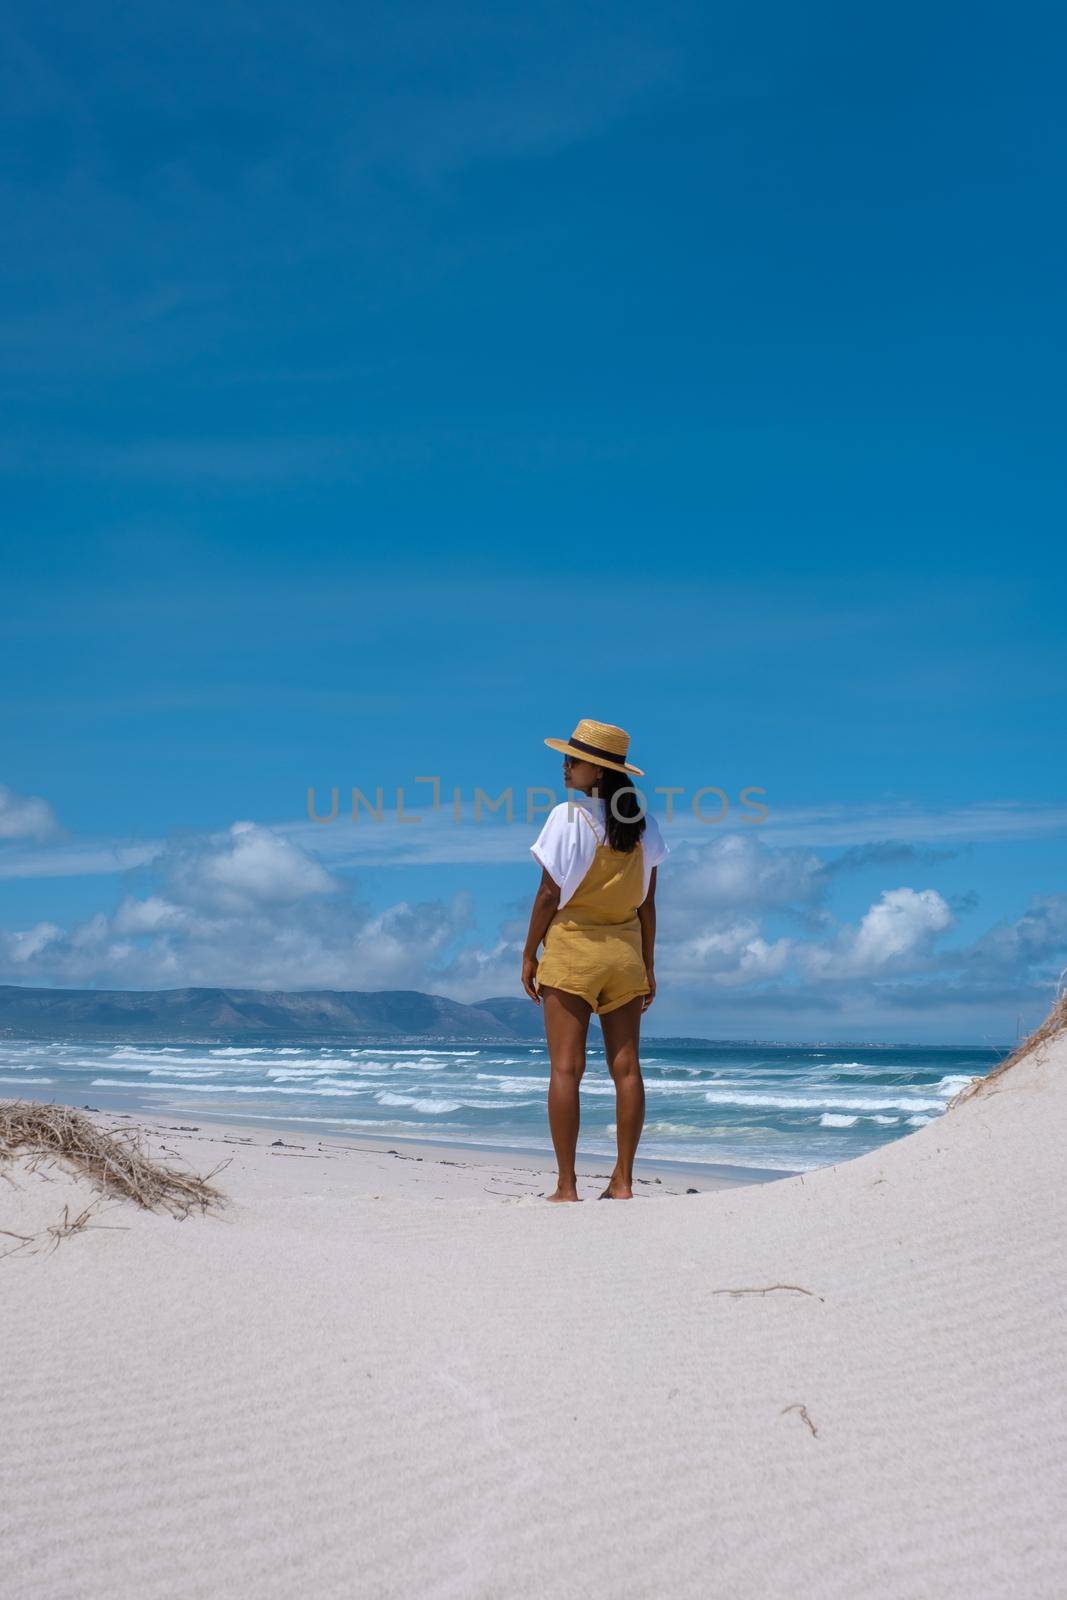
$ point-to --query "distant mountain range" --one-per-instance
(184, 1016)
(179, 1015)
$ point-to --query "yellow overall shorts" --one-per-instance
(593, 944)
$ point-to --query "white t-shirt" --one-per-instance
(566, 845)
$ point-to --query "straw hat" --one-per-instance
(600, 743)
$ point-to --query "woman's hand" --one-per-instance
(651, 995)
(529, 977)
(544, 908)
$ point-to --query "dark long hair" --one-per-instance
(623, 814)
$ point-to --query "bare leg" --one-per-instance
(622, 1030)
(566, 1026)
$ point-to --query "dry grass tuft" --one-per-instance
(1054, 1023)
(116, 1162)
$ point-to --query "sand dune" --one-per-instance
(842, 1384)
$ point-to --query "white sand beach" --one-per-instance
(407, 1375)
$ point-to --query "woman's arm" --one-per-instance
(545, 906)
(646, 915)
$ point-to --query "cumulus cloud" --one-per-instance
(135, 917)
(22, 947)
(729, 954)
(245, 867)
(249, 906)
(893, 934)
(244, 907)
(737, 872)
(731, 951)
(481, 973)
(1034, 942)
(26, 816)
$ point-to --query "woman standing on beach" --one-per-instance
(595, 910)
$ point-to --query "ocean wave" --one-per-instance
(362, 1085)
(430, 1107)
(953, 1082)
(515, 1085)
(665, 1085)
(175, 1071)
(254, 1050)
(784, 1102)
(656, 1128)
(134, 1061)
(919, 1122)
(833, 1119)
(391, 1051)
(231, 1088)
(27, 1078)
(382, 1062)
(500, 1105)
(306, 1074)
(116, 1066)
(297, 1058)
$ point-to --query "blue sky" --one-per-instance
(387, 388)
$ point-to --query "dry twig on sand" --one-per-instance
(116, 1162)
(791, 1288)
(803, 1411)
(56, 1231)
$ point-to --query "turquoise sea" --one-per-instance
(776, 1107)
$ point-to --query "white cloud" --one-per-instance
(903, 921)
(135, 917)
(731, 954)
(737, 871)
(477, 973)
(1035, 941)
(23, 947)
(253, 906)
(248, 906)
(894, 933)
(246, 866)
(702, 947)
(26, 816)
(244, 907)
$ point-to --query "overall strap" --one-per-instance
(588, 819)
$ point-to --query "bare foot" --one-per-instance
(617, 1190)
(563, 1194)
